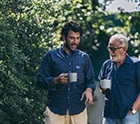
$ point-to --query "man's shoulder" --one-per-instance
(81, 52)
(108, 61)
(52, 51)
(136, 61)
(133, 59)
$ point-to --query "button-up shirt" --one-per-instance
(63, 97)
(125, 86)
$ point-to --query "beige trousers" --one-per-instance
(52, 118)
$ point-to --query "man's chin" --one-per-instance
(72, 49)
(113, 59)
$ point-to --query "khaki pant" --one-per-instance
(52, 118)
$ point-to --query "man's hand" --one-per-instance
(88, 94)
(61, 79)
(102, 90)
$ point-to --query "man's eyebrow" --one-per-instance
(73, 36)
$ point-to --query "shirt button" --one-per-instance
(68, 97)
(68, 88)
(69, 63)
(114, 86)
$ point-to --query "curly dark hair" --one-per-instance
(71, 26)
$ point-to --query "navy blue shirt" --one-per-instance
(125, 86)
(66, 96)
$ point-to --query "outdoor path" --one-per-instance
(95, 110)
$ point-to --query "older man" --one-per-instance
(122, 100)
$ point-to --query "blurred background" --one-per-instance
(29, 28)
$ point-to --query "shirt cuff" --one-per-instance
(49, 80)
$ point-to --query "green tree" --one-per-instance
(29, 28)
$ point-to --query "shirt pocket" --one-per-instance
(59, 68)
(126, 78)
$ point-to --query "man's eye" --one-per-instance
(72, 38)
(78, 38)
(113, 49)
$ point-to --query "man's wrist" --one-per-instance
(89, 89)
(55, 81)
(133, 111)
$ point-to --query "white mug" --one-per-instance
(72, 77)
(105, 83)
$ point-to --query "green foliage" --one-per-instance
(29, 28)
(131, 27)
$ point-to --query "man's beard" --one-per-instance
(67, 46)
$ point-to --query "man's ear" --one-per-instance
(63, 37)
(125, 49)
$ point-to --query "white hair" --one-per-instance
(120, 37)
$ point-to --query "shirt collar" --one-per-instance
(127, 59)
(63, 51)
